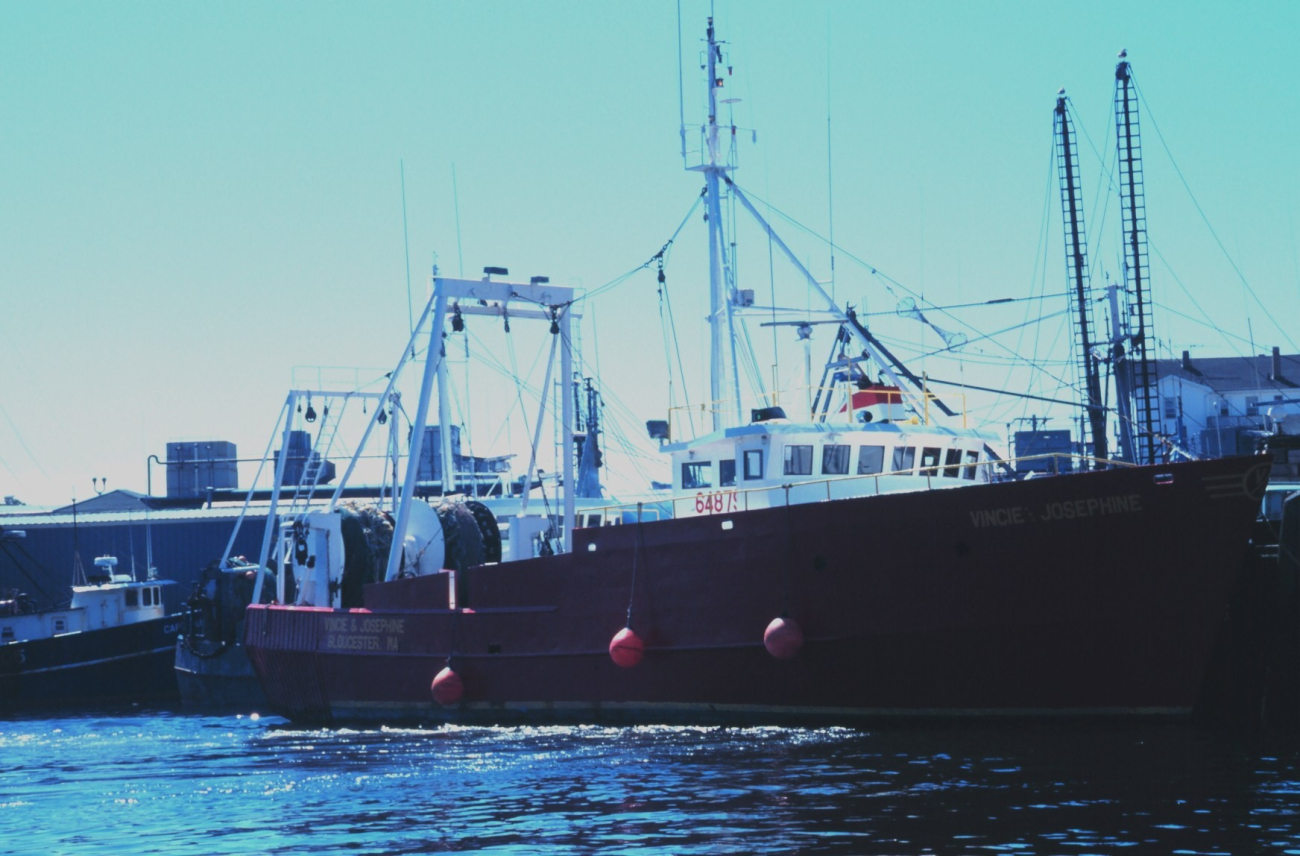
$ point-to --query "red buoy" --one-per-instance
(447, 687)
(783, 638)
(626, 648)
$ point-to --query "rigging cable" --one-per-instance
(619, 280)
(1206, 219)
(1040, 255)
(1107, 173)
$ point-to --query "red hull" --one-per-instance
(1092, 593)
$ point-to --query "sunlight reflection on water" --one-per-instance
(164, 782)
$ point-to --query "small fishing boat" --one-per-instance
(111, 644)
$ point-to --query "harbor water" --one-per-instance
(168, 782)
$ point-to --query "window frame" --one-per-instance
(951, 463)
(903, 460)
(863, 452)
(839, 451)
(696, 481)
(797, 454)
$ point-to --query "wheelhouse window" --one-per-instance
(132, 598)
(798, 460)
(60, 625)
(695, 474)
(754, 464)
(871, 460)
(904, 459)
(146, 596)
(835, 460)
(970, 470)
(727, 473)
(929, 459)
(951, 461)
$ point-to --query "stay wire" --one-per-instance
(1205, 219)
(659, 255)
(636, 550)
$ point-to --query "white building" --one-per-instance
(1217, 405)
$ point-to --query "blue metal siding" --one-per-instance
(181, 549)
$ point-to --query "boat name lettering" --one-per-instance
(363, 633)
(351, 642)
(361, 642)
(718, 502)
(364, 624)
(1065, 510)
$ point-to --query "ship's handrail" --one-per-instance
(730, 499)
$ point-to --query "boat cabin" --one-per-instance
(752, 466)
(109, 599)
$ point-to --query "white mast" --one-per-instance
(720, 304)
(716, 174)
(716, 295)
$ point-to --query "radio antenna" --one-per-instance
(406, 242)
(681, 92)
(455, 201)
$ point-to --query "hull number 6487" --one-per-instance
(717, 502)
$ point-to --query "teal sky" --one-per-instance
(197, 198)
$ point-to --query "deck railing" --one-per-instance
(730, 499)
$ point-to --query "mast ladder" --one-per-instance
(1137, 270)
(1076, 268)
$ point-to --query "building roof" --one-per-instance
(1231, 374)
(113, 500)
(139, 515)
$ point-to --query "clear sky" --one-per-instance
(196, 198)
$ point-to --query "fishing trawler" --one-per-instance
(112, 644)
(865, 564)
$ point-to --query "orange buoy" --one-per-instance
(447, 687)
(626, 648)
(783, 638)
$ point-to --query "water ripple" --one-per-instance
(180, 784)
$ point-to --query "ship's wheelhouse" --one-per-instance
(824, 461)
